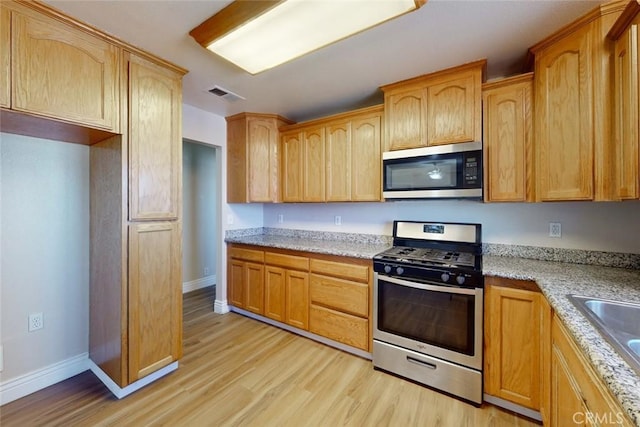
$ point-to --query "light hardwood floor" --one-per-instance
(238, 371)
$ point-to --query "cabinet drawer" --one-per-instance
(246, 254)
(341, 269)
(341, 327)
(340, 294)
(287, 261)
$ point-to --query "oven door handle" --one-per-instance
(435, 288)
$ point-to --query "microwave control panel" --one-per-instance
(471, 170)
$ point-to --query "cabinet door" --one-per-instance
(507, 142)
(338, 162)
(262, 164)
(275, 290)
(5, 57)
(453, 110)
(564, 119)
(513, 345)
(313, 166)
(366, 159)
(405, 119)
(254, 283)
(292, 167)
(155, 297)
(297, 295)
(236, 283)
(155, 145)
(64, 73)
(567, 404)
(626, 111)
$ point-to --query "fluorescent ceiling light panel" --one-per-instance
(293, 28)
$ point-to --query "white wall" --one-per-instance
(611, 226)
(199, 222)
(44, 251)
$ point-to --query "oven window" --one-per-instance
(437, 318)
(421, 174)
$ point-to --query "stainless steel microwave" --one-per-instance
(445, 171)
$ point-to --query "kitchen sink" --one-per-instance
(618, 321)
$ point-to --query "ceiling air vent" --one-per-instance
(225, 94)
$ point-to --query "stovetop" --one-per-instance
(428, 256)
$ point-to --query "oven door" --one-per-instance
(433, 319)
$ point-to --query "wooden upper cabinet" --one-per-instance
(333, 159)
(564, 114)
(338, 162)
(155, 297)
(405, 119)
(444, 107)
(313, 168)
(252, 155)
(291, 165)
(575, 143)
(366, 158)
(155, 145)
(62, 72)
(5, 56)
(454, 110)
(626, 36)
(508, 150)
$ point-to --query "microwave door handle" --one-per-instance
(435, 288)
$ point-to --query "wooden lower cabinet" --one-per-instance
(246, 279)
(329, 296)
(578, 396)
(514, 334)
(155, 297)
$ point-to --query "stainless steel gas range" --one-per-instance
(428, 305)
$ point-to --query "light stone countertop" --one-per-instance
(557, 280)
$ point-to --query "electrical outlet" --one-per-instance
(36, 321)
(206, 271)
(280, 218)
(337, 220)
(555, 229)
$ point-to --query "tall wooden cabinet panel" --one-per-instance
(338, 162)
(252, 157)
(155, 111)
(292, 164)
(575, 144)
(155, 299)
(513, 341)
(626, 36)
(508, 150)
(80, 84)
(313, 166)
(5, 57)
(444, 107)
(563, 120)
(366, 158)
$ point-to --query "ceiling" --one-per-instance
(342, 76)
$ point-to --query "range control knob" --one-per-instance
(399, 270)
(387, 269)
(460, 279)
(444, 277)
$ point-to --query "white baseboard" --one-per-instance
(198, 283)
(120, 392)
(42, 378)
(220, 307)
